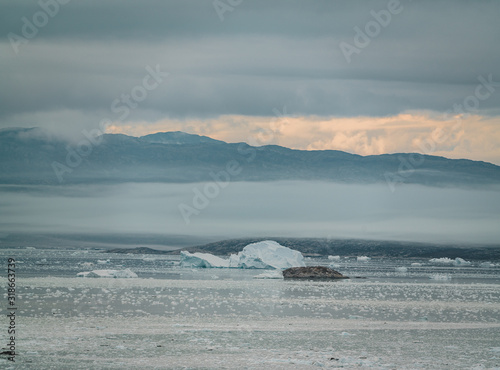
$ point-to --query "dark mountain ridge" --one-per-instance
(342, 247)
(34, 156)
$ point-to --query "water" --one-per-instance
(172, 317)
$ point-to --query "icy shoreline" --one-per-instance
(256, 324)
(173, 317)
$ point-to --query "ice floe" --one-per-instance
(441, 261)
(487, 264)
(334, 258)
(127, 273)
(363, 259)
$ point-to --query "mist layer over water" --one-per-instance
(300, 209)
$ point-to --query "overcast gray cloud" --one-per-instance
(298, 209)
(263, 55)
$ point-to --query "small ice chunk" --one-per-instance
(127, 273)
(103, 262)
(275, 274)
(334, 258)
(86, 264)
(401, 269)
(416, 264)
(203, 260)
(363, 259)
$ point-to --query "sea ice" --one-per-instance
(267, 254)
(206, 260)
(275, 274)
(127, 273)
(440, 277)
(334, 258)
(442, 261)
(363, 259)
(401, 269)
(487, 264)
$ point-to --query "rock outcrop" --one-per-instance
(312, 272)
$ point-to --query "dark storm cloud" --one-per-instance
(263, 55)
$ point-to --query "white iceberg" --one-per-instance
(461, 262)
(363, 259)
(262, 255)
(127, 273)
(442, 261)
(267, 254)
(204, 260)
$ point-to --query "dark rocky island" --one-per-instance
(312, 272)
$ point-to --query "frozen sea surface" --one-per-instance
(172, 317)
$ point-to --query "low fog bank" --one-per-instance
(288, 209)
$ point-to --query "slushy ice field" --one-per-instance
(404, 314)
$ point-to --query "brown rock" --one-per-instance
(312, 272)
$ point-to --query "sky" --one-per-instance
(366, 77)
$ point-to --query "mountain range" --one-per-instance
(34, 156)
